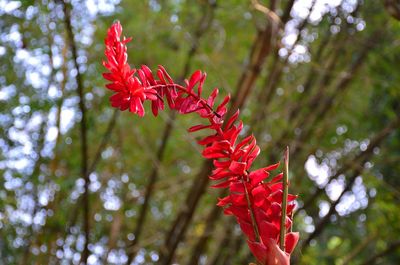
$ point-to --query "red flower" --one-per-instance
(130, 93)
(253, 199)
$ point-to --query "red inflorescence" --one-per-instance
(254, 198)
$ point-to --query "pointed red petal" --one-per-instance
(291, 240)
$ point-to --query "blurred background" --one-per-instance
(82, 182)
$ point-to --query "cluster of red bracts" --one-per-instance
(255, 202)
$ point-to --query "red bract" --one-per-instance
(254, 198)
(130, 92)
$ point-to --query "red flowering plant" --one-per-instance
(260, 203)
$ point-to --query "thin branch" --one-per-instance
(149, 191)
(115, 231)
(83, 131)
(252, 215)
(271, 15)
(393, 246)
(273, 78)
(359, 159)
(322, 105)
(104, 141)
(313, 73)
(259, 51)
(201, 244)
(360, 247)
(332, 210)
(224, 246)
(299, 112)
(60, 102)
(180, 224)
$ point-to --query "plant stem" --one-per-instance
(253, 218)
(83, 131)
(285, 182)
(185, 90)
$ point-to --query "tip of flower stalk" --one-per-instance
(286, 156)
(285, 183)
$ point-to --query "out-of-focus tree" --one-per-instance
(319, 76)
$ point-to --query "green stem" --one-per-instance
(285, 182)
(253, 218)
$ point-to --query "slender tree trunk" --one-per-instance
(83, 131)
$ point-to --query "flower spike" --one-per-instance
(256, 203)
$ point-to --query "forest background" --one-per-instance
(319, 76)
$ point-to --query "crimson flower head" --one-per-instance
(129, 91)
(259, 202)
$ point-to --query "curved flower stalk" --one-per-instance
(255, 198)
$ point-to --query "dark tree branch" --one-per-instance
(259, 52)
(181, 223)
(132, 250)
(222, 250)
(83, 130)
(322, 105)
(393, 246)
(313, 74)
(319, 105)
(332, 210)
(286, 14)
(360, 247)
(362, 157)
(359, 159)
(60, 102)
(104, 141)
(273, 78)
(201, 244)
